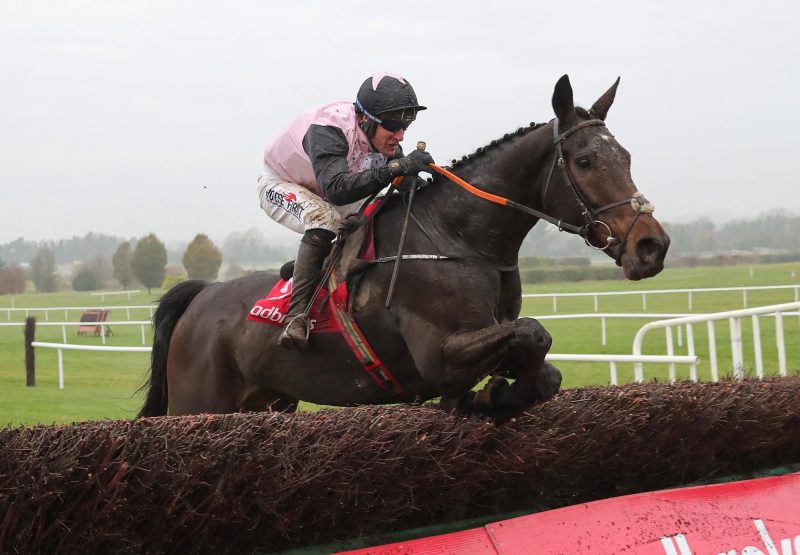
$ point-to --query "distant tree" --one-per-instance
(202, 258)
(149, 261)
(12, 280)
(43, 271)
(693, 237)
(122, 264)
(85, 280)
(17, 251)
(251, 247)
(172, 280)
(101, 267)
(234, 270)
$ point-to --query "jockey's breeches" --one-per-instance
(297, 208)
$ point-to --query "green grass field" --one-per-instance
(103, 385)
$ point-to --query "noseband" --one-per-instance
(591, 215)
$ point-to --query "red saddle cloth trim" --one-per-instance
(272, 310)
(355, 339)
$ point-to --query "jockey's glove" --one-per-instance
(417, 161)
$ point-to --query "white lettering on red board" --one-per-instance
(679, 545)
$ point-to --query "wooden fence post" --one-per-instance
(30, 357)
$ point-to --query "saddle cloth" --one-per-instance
(273, 308)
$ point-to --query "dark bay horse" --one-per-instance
(452, 322)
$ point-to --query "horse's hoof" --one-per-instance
(485, 397)
(549, 383)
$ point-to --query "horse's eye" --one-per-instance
(583, 163)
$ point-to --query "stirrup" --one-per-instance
(290, 338)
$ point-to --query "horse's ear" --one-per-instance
(563, 104)
(600, 108)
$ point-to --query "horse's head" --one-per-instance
(598, 188)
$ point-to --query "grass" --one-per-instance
(103, 385)
(584, 336)
(97, 385)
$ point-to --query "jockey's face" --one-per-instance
(385, 141)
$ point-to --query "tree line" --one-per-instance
(103, 257)
(775, 231)
(146, 263)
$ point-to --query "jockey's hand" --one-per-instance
(417, 161)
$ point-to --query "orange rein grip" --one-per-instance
(474, 190)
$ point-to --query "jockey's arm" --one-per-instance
(327, 148)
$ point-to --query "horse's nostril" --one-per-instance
(651, 249)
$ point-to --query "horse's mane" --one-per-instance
(484, 149)
(582, 113)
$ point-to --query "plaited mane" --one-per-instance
(484, 149)
(456, 163)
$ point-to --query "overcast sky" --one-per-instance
(151, 116)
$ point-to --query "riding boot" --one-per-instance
(314, 247)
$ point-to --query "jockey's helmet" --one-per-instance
(389, 100)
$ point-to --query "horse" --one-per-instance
(454, 317)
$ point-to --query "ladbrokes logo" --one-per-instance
(287, 201)
(679, 544)
(273, 315)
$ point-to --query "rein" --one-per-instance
(507, 202)
(638, 202)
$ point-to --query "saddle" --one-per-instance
(332, 307)
(356, 250)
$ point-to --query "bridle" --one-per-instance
(591, 215)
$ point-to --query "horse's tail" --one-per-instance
(170, 308)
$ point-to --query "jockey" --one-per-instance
(330, 158)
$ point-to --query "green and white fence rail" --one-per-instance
(104, 327)
(734, 318)
(644, 294)
(67, 309)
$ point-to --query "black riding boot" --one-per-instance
(314, 247)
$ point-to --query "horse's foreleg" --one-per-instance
(520, 345)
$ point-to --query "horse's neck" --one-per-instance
(515, 169)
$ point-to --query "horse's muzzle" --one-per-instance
(644, 256)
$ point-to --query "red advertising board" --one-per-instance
(751, 517)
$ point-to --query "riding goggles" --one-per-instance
(394, 125)
(395, 120)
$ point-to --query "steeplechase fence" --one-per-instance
(265, 482)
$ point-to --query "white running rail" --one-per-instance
(66, 347)
(734, 318)
(66, 309)
(644, 294)
(103, 325)
(102, 294)
(611, 359)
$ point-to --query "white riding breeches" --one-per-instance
(297, 208)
